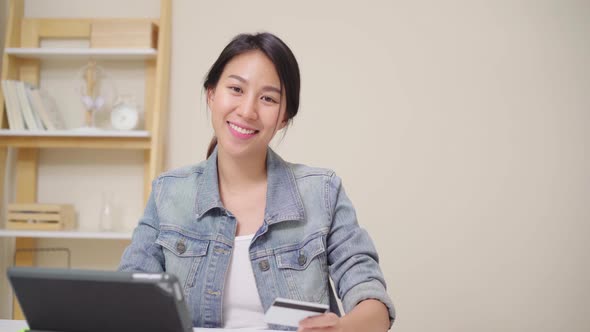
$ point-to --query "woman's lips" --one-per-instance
(241, 133)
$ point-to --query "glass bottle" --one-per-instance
(106, 213)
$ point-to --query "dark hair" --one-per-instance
(277, 52)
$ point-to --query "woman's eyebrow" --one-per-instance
(241, 79)
(266, 88)
(271, 88)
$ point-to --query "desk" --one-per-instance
(17, 325)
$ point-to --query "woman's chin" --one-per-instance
(239, 150)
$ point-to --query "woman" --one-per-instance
(245, 227)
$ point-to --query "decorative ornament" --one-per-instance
(95, 92)
(125, 113)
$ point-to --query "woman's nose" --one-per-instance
(248, 109)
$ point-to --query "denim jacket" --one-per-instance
(310, 233)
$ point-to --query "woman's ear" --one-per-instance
(283, 124)
(210, 95)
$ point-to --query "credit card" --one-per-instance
(290, 312)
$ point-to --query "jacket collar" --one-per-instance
(283, 201)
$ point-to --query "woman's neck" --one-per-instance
(240, 174)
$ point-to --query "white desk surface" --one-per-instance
(18, 325)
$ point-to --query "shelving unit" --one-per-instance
(134, 54)
(73, 133)
(22, 59)
(103, 139)
(76, 234)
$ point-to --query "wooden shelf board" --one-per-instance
(71, 234)
(95, 53)
(75, 133)
(117, 140)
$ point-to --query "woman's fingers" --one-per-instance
(325, 320)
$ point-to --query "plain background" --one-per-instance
(460, 129)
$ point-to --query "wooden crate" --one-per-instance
(123, 34)
(45, 217)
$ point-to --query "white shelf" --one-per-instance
(73, 234)
(82, 53)
(75, 133)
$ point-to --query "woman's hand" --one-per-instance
(367, 316)
(329, 322)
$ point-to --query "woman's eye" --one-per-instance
(236, 89)
(268, 99)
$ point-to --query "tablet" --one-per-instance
(66, 300)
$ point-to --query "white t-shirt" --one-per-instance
(241, 302)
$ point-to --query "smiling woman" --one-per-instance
(245, 227)
(247, 106)
(278, 82)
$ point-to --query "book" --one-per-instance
(7, 103)
(15, 117)
(46, 109)
(25, 107)
(52, 110)
(28, 89)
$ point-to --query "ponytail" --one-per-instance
(212, 146)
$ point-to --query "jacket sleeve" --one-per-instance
(352, 257)
(143, 254)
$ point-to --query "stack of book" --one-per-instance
(27, 108)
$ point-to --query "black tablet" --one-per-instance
(66, 300)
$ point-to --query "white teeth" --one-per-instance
(242, 130)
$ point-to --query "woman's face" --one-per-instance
(247, 105)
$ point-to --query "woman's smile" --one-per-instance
(241, 132)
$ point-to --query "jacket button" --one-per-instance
(302, 259)
(180, 247)
(263, 265)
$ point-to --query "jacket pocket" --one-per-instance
(304, 269)
(183, 254)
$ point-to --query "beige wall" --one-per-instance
(460, 129)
